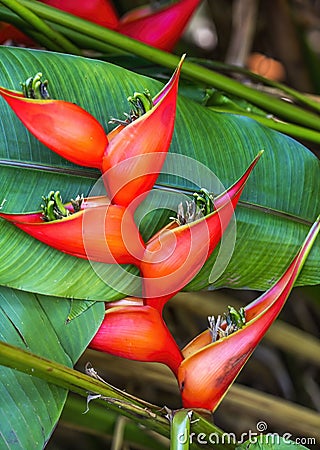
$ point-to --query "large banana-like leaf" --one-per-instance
(279, 203)
(30, 407)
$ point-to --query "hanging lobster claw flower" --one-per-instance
(64, 127)
(101, 12)
(138, 333)
(98, 232)
(135, 155)
(209, 368)
(161, 28)
(177, 253)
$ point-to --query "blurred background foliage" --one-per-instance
(280, 40)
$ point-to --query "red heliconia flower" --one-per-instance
(38, 217)
(137, 332)
(10, 33)
(160, 28)
(99, 232)
(176, 254)
(135, 154)
(134, 157)
(209, 368)
(101, 12)
(64, 127)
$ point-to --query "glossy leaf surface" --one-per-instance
(30, 407)
(278, 205)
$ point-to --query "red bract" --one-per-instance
(176, 253)
(104, 233)
(160, 28)
(64, 127)
(139, 333)
(211, 367)
(135, 155)
(10, 33)
(136, 152)
(101, 12)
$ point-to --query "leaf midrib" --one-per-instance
(94, 175)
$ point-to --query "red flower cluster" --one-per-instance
(103, 229)
(159, 28)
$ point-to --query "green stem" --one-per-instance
(180, 430)
(97, 422)
(38, 24)
(191, 70)
(9, 17)
(87, 42)
(149, 415)
(283, 127)
(294, 94)
(82, 40)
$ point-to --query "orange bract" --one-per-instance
(64, 127)
(174, 256)
(134, 156)
(139, 333)
(104, 233)
(209, 369)
(160, 28)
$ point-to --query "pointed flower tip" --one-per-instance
(308, 243)
(179, 66)
(173, 257)
(159, 27)
(93, 230)
(183, 57)
(135, 155)
(256, 159)
(315, 227)
(259, 155)
(254, 162)
(209, 368)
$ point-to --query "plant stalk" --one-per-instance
(147, 414)
(31, 18)
(191, 70)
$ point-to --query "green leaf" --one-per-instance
(150, 416)
(279, 204)
(78, 307)
(30, 407)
